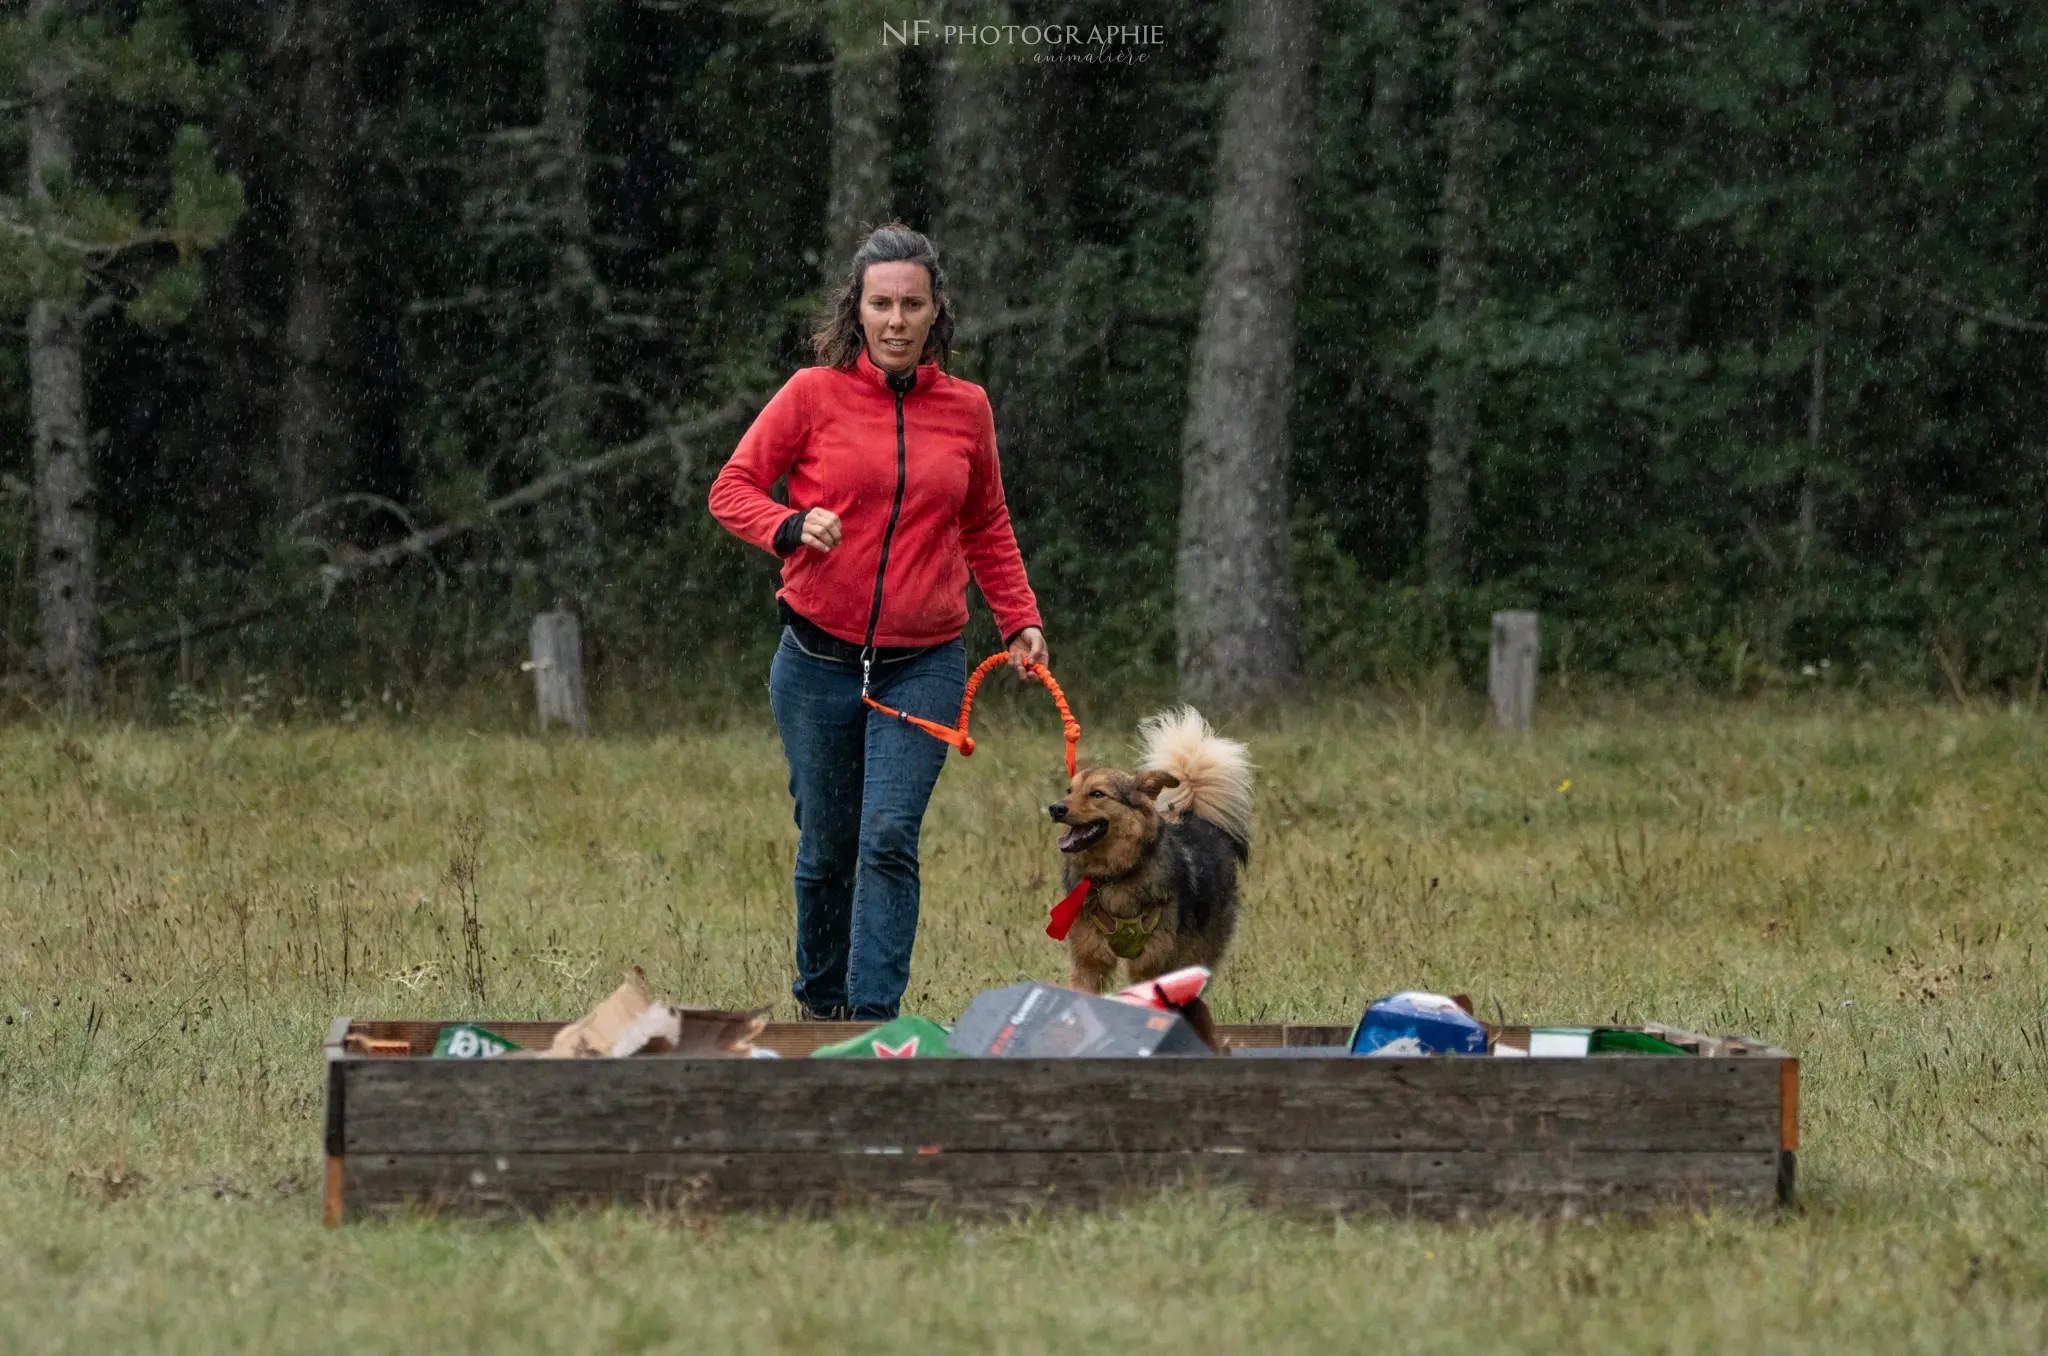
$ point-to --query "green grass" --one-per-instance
(182, 911)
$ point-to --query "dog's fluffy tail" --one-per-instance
(1215, 776)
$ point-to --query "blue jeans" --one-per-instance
(861, 782)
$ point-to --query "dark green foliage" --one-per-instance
(1688, 201)
(145, 197)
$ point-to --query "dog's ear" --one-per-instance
(1150, 784)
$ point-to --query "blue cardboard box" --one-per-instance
(1418, 1024)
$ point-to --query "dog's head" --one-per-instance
(1108, 818)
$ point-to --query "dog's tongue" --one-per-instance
(1069, 840)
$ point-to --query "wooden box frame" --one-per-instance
(1443, 1137)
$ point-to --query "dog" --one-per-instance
(1161, 849)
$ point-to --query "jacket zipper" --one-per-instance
(867, 649)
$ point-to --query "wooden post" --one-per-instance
(1511, 675)
(557, 666)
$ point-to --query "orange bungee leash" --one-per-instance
(1068, 909)
(957, 735)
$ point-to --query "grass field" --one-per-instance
(181, 912)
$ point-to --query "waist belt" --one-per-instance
(815, 641)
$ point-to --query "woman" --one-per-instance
(894, 495)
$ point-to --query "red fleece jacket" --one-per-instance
(833, 432)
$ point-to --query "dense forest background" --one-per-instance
(1739, 311)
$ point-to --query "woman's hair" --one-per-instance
(839, 338)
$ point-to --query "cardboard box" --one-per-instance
(1036, 1021)
(1418, 1024)
(631, 1023)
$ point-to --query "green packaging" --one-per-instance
(903, 1038)
(1611, 1041)
(1572, 1041)
(470, 1042)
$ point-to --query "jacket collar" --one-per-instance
(864, 366)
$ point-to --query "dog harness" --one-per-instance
(1126, 937)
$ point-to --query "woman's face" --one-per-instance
(896, 311)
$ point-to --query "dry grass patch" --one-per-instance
(181, 912)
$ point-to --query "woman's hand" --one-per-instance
(1028, 649)
(821, 529)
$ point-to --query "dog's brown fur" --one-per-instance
(1171, 840)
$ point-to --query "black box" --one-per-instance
(1041, 1021)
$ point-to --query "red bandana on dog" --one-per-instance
(1067, 910)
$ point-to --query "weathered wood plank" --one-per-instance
(1418, 1183)
(792, 1040)
(557, 644)
(798, 1039)
(682, 1105)
(1511, 671)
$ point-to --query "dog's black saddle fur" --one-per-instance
(1201, 863)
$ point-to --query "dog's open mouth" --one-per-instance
(1082, 836)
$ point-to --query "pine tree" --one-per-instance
(72, 252)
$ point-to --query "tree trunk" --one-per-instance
(863, 131)
(313, 433)
(1393, 81)
(990, 249)
(63, 467)
(568, 427)
(1239, 638)
(978, 170)
(240, 404)
(1392, 124)
(1460, 284)
(578, 299)
(1816, 426)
